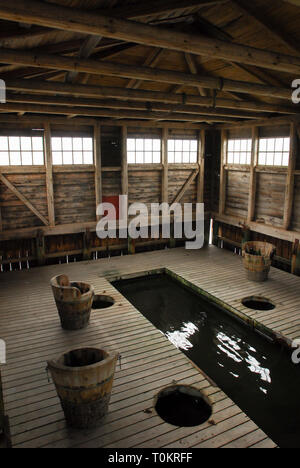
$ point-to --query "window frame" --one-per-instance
(239, 152)
(73, 151)
(190, 151)
(21, 152)
(284, 152)
(143, 151)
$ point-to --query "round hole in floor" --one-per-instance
(102, 302)
(183, 406)
(258, 303)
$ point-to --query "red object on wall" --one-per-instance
(114, 200)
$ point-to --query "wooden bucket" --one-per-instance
(257, 258)
(83, 379)
(74, 302)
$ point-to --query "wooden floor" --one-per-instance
(29, 323)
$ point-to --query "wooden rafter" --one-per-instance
(57, 17)
(21, 197)
(137, 72)
(46, 88)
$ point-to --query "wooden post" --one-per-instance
(131, 246)
(165, 171)
(86, 253)
(290, 180)
(201, 164)
(49, 174)
(253, 179)
(124, 174)
(40, 248)
(215, 233)
(295, 269)
(222, 200)
(98, 165)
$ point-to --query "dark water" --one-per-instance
(256, 374)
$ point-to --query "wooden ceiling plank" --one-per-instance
(50, 15)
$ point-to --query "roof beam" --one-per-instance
(68, 19)
(54, 88)
(122, 104)
(114, 113)
(144, 73)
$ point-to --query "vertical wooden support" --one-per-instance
(215, 233)
(40, 248)
(253, 179)
(131, 246)
(201, 165)
(296, 258)
(165, 170)
(290, 181)
(98, 164)
(86, 253)
(124, 164)
(222, 200)
(49, 174)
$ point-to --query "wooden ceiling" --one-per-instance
(160, 61)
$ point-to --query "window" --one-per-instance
(239, 151)
(143, 151)
(274, 151)
(182, 151)
(72, 150)
(21, 151)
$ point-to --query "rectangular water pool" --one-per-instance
(256, 374)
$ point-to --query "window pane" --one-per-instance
(178, 157)
(171, 145)
(139, 157)
(26, 144)
(285, 159)
(178, 145)
(194, 145)
(156, 157)
(15, 158)
(37, 144)
(148, 157)
(186, 157)
(56, 144)
(139, 144)
(230, 158)
(171, 157)
(67, 144)
(78, 157)
(278, 159)
(185, 145)
(263, 145)
(244, 144)
(270, 144)
(262, 159)
(67, 157)
(57, 158)
(279, 144)
(131, 157)
(270, 159)
(3, 144)
(193, 157)
(130, 144)
(38, 158)
(77, 144)
(243, 158)
(286, 144)
(14, 143)
(230, 145)
(88, 157)
(4, 159)
(156, 145)
(26, 158)
(236, 158)
(148, 145)
(88, 144)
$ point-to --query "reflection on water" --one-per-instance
(257, 375)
